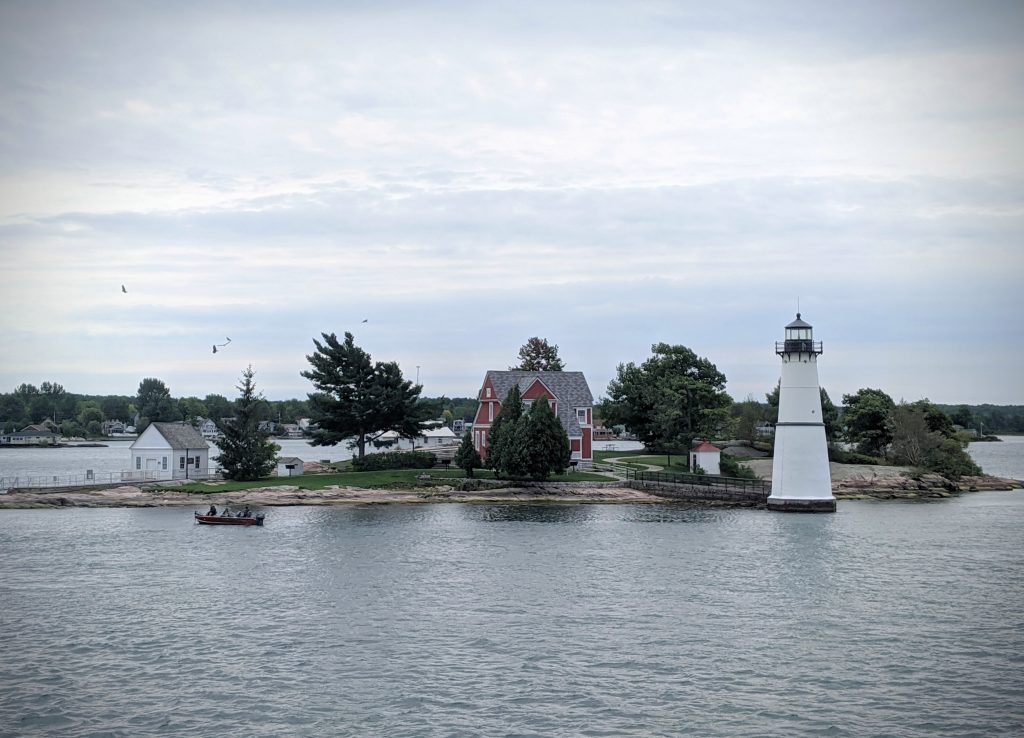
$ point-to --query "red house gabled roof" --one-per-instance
(706, 448)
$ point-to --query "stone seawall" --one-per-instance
(697, 493)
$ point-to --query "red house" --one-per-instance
(568, 393)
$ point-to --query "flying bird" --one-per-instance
(366, 320)
(220, 345)
(124, 290)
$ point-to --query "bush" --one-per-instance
(729, 467)
(395, 460)
(850, 457)
(950, 460)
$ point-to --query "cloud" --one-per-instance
(607, 176)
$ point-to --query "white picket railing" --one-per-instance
(89, 479)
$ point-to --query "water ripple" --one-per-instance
(449, 620)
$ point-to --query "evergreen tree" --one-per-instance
(246, 454)
(540, 444)
(467, 458)
(357, 397)
(502, 432)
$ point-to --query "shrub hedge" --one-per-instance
(395, 460)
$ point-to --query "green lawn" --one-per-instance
(394, 478)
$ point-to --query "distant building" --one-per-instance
(290, 467)
(568, 393)
(112, 427)
(431, 438)
(707, 456)
(30, 435)
(292, 430)
(208, 429)
(170, 451)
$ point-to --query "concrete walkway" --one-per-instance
(633, 460)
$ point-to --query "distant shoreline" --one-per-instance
(85, 444)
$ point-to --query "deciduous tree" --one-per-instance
(537, 355)
(670, 399)
(866, 420)
(154, 403)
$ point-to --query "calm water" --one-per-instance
(115, 457)
(886, 619)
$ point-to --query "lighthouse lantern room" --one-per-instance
(801, 481)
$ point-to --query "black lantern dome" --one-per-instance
(799, 339)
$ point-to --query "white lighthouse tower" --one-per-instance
(800, 476)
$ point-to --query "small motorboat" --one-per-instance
(229, 519)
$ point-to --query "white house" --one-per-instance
(170, 451)
(30, 435)
(208, 429)
(431, 438)
(707, 456)
(290, 467)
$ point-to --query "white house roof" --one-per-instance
(442, 432)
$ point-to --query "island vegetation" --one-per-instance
(667, 402)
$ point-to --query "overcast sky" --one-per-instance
(467, 175)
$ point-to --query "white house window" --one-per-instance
(197, 462)
(164, 462)
(138, 462)
(488, 391)
(181, 463)
(581, 415)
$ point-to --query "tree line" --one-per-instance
(81, 415)
(668, 401)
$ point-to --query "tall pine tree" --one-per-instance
(541, 445)
(356, 397)
(500, 437)
(467, 458)
(527, 445)
(246, 454)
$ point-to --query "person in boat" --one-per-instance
(212, 510)
(225, 513)
(246, 513)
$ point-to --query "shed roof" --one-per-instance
(181, 435)
(290, 460)
(706, 448)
